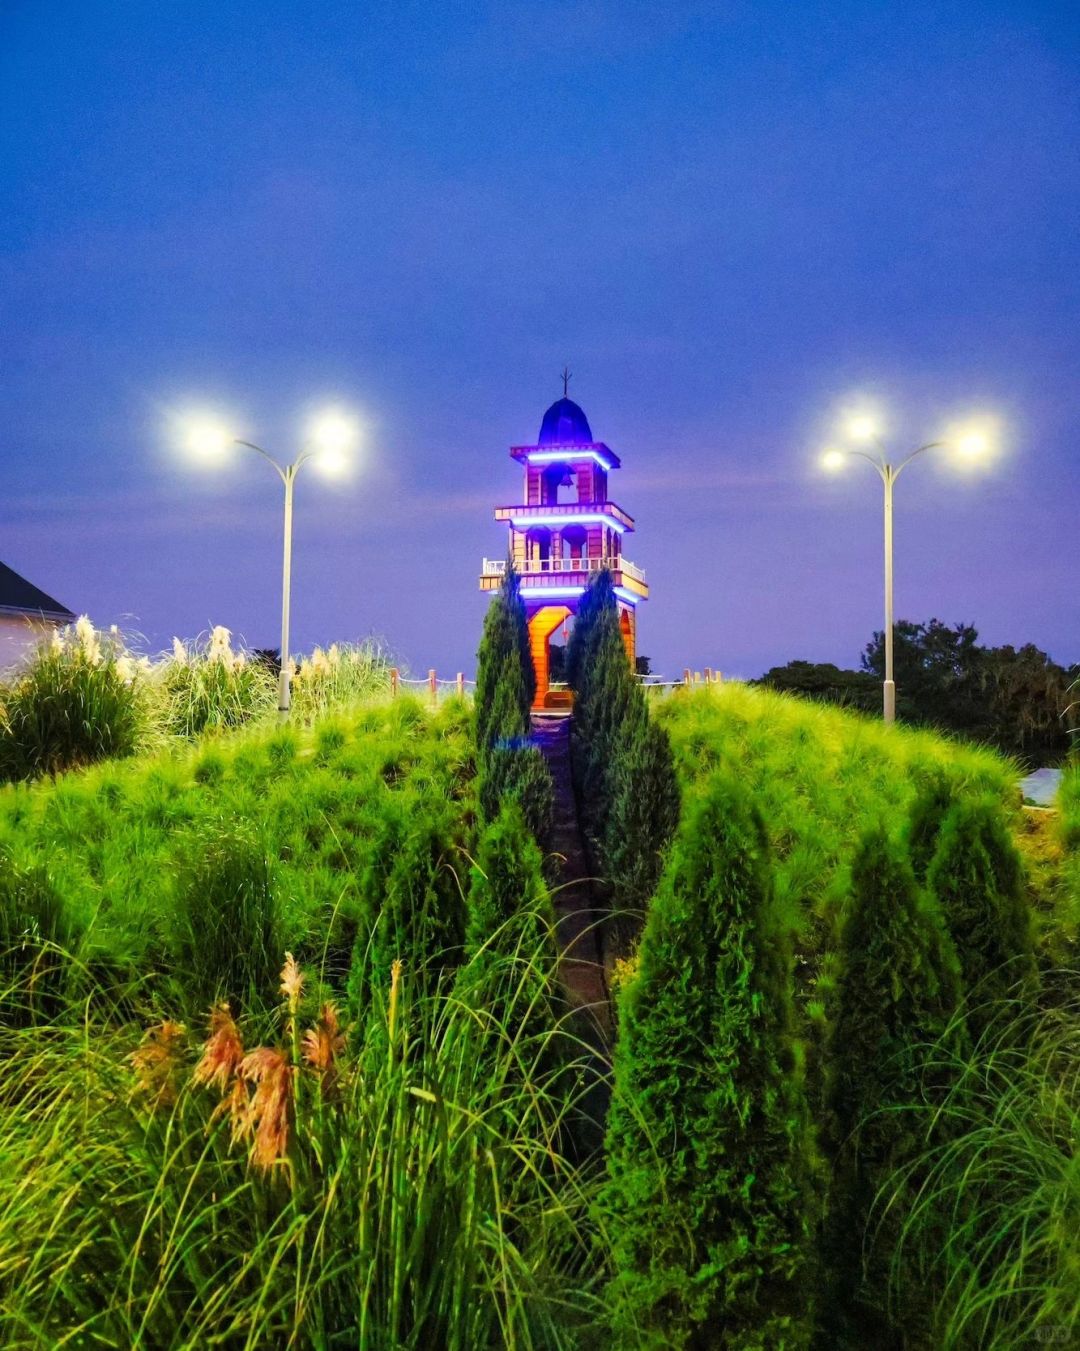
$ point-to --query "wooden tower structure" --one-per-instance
(564, 529)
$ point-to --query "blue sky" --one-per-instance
(730, 219)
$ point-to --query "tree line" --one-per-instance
(1018, 700)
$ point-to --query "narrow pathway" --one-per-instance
(575, 906)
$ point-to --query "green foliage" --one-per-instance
(343, 675)
(504, 659)
(116, 836)
(824, 681)
(421, 1201)
(977, 879)
(207, 687)
(80, 699)
(707, 1138)
(643, 819)
(508, 767)
(227, 938)
(822, 777)
(624, 775)
(928, 812)
(898, 991)
(999, 1206)
(422, 918)
(35, 937)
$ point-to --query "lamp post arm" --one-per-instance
(930, 445)
(250, 445)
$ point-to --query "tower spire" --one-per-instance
(566, 373)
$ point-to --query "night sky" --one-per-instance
(730, 219)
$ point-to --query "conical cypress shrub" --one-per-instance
(925, 819)
(504, 658)
(977, 878)
(643, 818)
(707, 1135)
(898, 990)
(420, 916)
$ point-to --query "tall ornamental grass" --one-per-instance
(343, 674)
(206, 686)
(998, 1200)
(298, 1184)
(81, 698)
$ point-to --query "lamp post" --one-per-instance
(327, 446)
(865, 429)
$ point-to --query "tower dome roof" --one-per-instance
(565, 424)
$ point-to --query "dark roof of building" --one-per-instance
(23, 597)
(565, 424)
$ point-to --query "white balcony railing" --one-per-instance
(495, 567)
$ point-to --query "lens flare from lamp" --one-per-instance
(333, 433)
(862, 427)
(208, 440)
(972, 444)
(833, 460)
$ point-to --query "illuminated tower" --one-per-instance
(565, 529)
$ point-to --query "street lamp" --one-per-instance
(864, 429)
(331, 436)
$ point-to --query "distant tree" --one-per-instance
(824, 681)
(642, 665)
(1029, 702)
(556, 664)
(938, 671)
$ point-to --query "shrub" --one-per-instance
(226, 928)
(707, 1132)
(508, 766)
(207, 687)
(898, 990)
(504, 658)
(977, 878)
(420, 920)
(624, 773)
(643, 818)
(927, 816)
(82, 698)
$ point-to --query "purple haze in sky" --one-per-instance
(729, 219)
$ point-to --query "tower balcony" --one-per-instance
(559, 574)
(559, 514)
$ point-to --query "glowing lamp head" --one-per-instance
(972, 444)
(207, 440)
(833, 461)
(332, 436)
(862, 427)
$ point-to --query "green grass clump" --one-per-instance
(998, 1205)
(708, 1136)
(228, 938)
(81, 698)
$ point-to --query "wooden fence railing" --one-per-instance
(436, 686)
